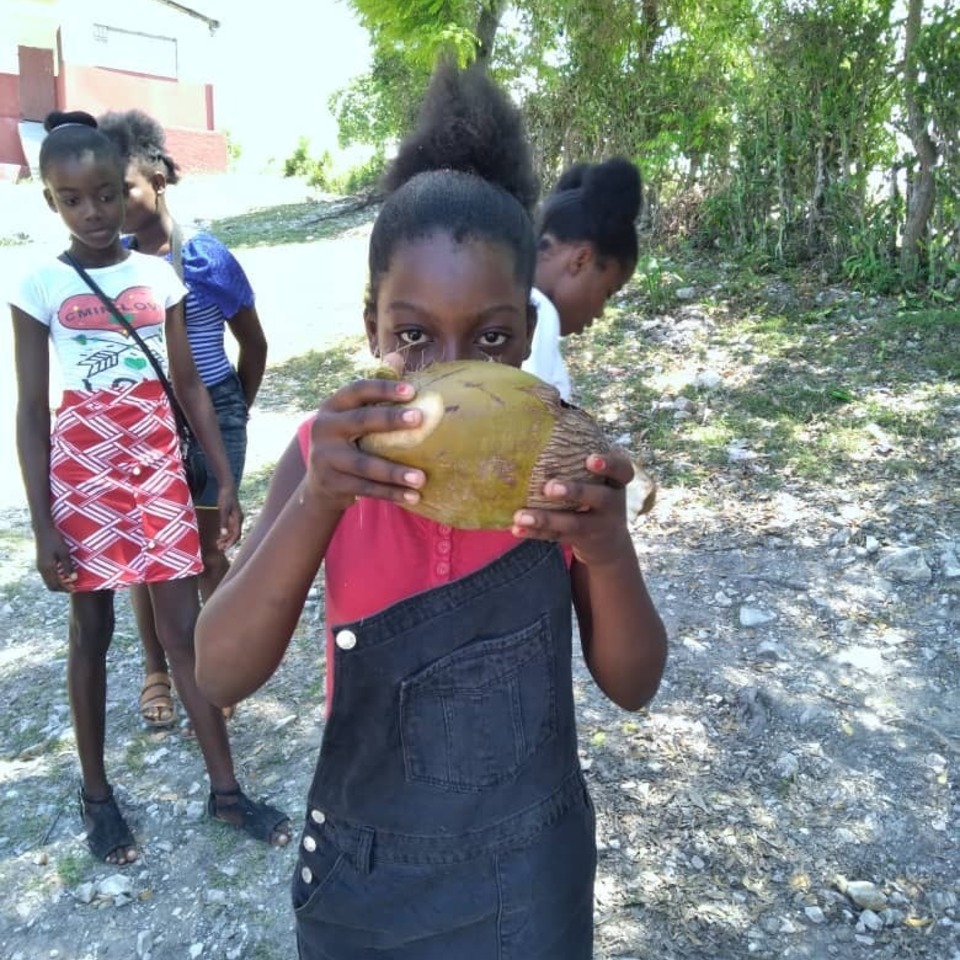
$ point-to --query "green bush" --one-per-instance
(316, 171)
(364, 177)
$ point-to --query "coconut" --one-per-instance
(491, 437)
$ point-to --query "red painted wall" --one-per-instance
(97, 90)
(184, 109)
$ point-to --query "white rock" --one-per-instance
(867, 659)
(153, 758)
(195, 809)
(814, 914)
(865, 894)
(722, 599)
(787, 927)
(115, 886)
(754, 617)
(708, 380)
(144, 943)
(85, 892)
(196, 950)
(737, 453)
(685, 293)
(787, 766)
(870, 921)
(906, 565)
(871, 544)
(950, 562)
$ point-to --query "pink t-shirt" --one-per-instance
(381, 554)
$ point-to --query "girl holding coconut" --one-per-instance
(448, 816)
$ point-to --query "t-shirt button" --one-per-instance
(443, 569)
(346, 639)
(136, 471)
(151, 544)
(444, 530)
(443, 547)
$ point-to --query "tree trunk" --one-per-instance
(487, 24)
(923, 188)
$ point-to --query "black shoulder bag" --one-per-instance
(194, 463)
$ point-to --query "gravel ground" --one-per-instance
(792, 792)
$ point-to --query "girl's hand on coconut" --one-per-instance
(595, 526)
(339, 472)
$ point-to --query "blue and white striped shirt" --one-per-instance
(217, 289)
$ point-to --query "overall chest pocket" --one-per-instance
(471, 719)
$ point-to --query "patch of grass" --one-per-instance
(292, 223)
(136, 754)
(19, 239)
(806, 379)
(72, 869)
(305, 381)
(253, 489)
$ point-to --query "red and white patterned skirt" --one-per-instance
(118, 492)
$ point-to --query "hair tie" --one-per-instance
(69, 123)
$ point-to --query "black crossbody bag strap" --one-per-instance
(176, 249)
(183, 425)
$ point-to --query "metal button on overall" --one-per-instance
(346, 639)
(309, 844)
(307, 874)
(318, 816)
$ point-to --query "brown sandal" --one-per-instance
(156, 702)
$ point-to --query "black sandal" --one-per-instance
(108, 831)
(258, 820)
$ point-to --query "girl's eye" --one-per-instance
(411, 337)
(493, 338)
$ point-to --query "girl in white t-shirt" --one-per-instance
(587, 252)
(106, 488)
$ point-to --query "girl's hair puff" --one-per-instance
(74, 134)
(464, 171)
(596, 203)
(140, 138)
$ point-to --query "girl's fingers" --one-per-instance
(363, 475)
(614, 465)
(366, 392)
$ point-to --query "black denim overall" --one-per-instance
(448, 818)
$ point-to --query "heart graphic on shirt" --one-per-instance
(137, 363)
(85, 311)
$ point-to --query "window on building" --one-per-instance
(135, 52)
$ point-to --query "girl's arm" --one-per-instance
(623, 637)
(252, 358)
(196, 403)
(246, 625)
(32, 360)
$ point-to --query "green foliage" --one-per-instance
(780, 115)
(363, 178)
(234, 149)
(314, 170)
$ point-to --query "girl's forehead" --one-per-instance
(83, 166)
(439, 253)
